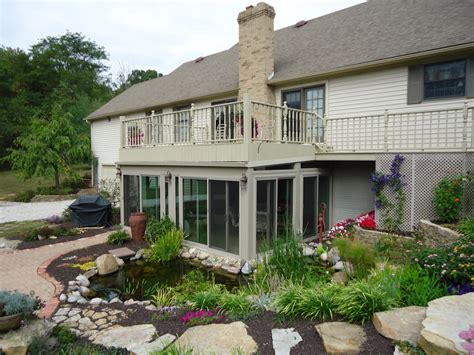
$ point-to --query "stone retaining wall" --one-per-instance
(436, 235)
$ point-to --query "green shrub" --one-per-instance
(396, 249)
(24, 196)
(164, 297)
(466, 227)
(451, 264)
(167, 247)
(158, 228)
(64, 335)
(207, 299)
(13, 302)
(418, 287)
(51, 190)
(359, 255)
(66, 215)
(318, 302)
(118, 237)
(90, 349)
(358, 301)
(48, 232)
(448, 198)
(173, 349)
(235, 305)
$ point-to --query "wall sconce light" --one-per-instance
(118, 172)
(244, 180)
(168, 177)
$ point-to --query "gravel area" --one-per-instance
(18, 211)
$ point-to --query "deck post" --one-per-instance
(122, 130)
(191, 113)
(385, 130)
(464, 126)
(247, 118)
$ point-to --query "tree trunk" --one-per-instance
(56, 179)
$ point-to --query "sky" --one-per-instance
(146, 34)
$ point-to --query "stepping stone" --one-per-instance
(122, 253)
(445, 318)
(126, 337)
(284, 340)
(341, 337)
(218, 339)
(155, 346)
(402, 324)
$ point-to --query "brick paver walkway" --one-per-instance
(19, 268)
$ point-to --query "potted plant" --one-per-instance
(14, 306)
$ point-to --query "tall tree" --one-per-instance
(127, 79)
(50, 148)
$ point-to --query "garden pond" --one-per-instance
(136, 279)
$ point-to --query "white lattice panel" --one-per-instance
(421, 173)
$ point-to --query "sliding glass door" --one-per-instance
(315, 205)
(195, 210)
(151, 196)
(224, 215)
(131, 195)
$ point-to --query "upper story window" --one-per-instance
(310, 99)
(446, 79)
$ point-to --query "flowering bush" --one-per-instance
(198, 317)
(342, 228)
(453, 265)
(468, 336)
(367, 220)
(448, 198)
(391, 212)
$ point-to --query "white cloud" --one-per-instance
(145, 34)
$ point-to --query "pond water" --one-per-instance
(135, 278)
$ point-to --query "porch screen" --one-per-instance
(195, 210)
(151, 196)
(131, 195)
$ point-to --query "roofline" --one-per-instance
(343, 70)
(171, 103)
(376, 63)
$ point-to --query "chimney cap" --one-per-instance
(301, 23)
(248, 7)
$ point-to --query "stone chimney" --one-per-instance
(256, 62)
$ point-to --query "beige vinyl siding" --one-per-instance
(372, 93)
(351, 189)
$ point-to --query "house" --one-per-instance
(289, 124)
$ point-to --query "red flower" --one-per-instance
(457, 200)
(368, 223)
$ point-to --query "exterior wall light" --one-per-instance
(244, 180)
(118, 172)
(168, 177)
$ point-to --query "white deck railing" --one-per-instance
(435, 130)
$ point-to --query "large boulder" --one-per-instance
(285, 339)
(126, 337)
(106, 264)
(155, 346)
(401, 323)
(445, 318)
(341, 337)
(218, 339)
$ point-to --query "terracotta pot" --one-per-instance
(137, 222)
(10, 322)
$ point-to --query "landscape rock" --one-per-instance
(120, 261)
(126, 337)
(202, 255)
(338, 266)
(86, 324)
(186, 255)
(324, 256)
(91, 273)
(218, 339)
(192, 252)
(284, 340)
(340, 277)
(246, 269)
(307, 251)
(73, 298)
(17, 342)
(129, 302)
(138, 255)
(207, 263)
(151, 307)
(341, 337)
(86, 291)
(83, 281)
(106, 264)
(115, 300)
(445, 318)
(333, 256)
(403, 324)
(154, 346)
(63, 297)
(96, 300)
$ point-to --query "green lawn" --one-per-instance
(11, 229)
(10, 184)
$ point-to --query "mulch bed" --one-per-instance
(86, 233)
(259, 327)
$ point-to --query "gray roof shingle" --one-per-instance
(375, 30)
